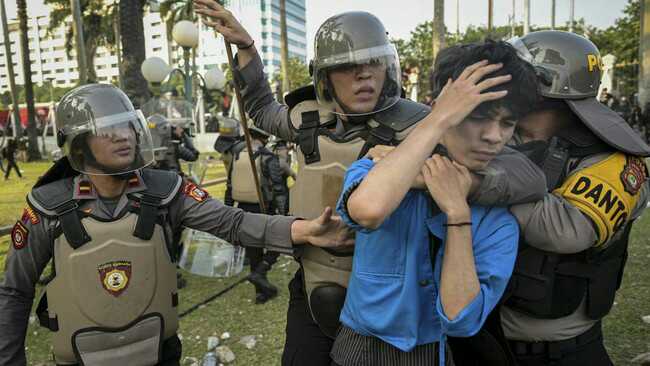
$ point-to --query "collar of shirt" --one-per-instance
(84, 190)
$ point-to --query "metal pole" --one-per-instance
(10, 68)
(572, 4)
(526, 16)
(244, 125)
(81, 49)
(187, 75)
(552, 14)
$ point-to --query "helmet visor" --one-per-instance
(111, 145)
(360, 82)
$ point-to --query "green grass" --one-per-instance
(626, 336)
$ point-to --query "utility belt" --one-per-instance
(557, 349)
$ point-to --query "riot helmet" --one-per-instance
(101, 133)
(229, 127)
(356, 44)
(569, 67)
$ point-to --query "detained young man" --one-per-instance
(427, 263)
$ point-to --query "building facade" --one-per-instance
(52, 64)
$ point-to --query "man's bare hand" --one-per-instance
(216, 16)
(461, 96)
(327, 231)
(448, 183)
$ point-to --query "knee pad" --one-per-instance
(326, 303)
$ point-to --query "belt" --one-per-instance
(555, 349)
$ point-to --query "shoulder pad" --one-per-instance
(161, 184)
(301, 94)
(402, 115)
(46, 198)
(303, 100)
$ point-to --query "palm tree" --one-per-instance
(438, 27)
(133, 50)
(32, 151)
(97, 18)
(284, 46)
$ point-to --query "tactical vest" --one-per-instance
(322, 162)
(114, 298)
(242, 179)
(550, 285)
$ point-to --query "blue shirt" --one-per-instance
(393, 293)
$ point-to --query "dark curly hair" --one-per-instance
(522, 89)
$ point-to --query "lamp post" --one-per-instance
(155, 70)
(186, 34)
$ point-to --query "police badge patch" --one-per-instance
(194, 191)
(19, 235)
(115, 276)
(633, 174)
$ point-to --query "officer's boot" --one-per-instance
(264, 289)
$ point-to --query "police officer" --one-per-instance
(574, 242)
(108, 222)
(242, 192)
(353, 105)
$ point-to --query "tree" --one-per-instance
(32, 151)
(131, 13)
(97, 18)
(298, 74)
(622, 40)
(284, 47)
(172, 12)
(439, 31)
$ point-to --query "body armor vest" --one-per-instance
(242, 180)
(322, 163)
(550, 285)
(114, 298)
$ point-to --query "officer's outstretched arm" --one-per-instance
(31, 243)
(266, 113)
(194, 208)
(590, 207)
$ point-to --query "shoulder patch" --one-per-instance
(19, 235)
(606, 192)
(197, 193)
(634, 174)
(30, 216)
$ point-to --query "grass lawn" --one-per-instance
(626, 336)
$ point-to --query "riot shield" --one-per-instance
(206, 255)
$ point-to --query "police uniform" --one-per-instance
(327, 145)
(573, 244)
(38, 236)
(242, 192)
(114, 297)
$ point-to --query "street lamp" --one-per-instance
(155, 70)
(186, 34)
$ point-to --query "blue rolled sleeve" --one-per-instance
(353, 177)
(495, 251)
